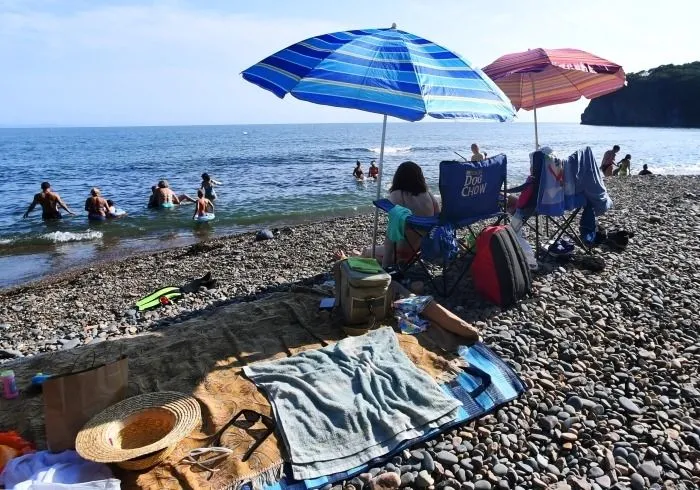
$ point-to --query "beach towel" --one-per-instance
(590, 183)
(504, 386)
(573, 195)
(550, 200)
(364, 265)
(345, 404)
(396, 228)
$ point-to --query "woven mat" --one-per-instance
(204, 356)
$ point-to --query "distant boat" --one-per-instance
(245, 132)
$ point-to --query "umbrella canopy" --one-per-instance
(545, 77)
(559, 75)
(385, 71)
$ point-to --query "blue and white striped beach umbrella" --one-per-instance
(385, 71)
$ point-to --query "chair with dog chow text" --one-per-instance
(471, 192)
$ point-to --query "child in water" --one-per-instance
(358, 173)
(202, 206)
(113, 211)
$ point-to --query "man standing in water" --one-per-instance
(609, 161)
(50, 203)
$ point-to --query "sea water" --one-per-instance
(272, 175)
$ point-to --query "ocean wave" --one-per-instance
(392, 149)
(69, 236)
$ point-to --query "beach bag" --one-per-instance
(361, 291)
(440, 244)
(499, 271)
(71, 400)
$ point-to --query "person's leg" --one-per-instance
(439, 315)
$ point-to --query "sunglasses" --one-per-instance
(246, 419)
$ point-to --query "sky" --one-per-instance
(170, 62)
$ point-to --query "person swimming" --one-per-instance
(208, 186)
(153, 198)
(113, 211)
(358, 173)
(166, 198)
(96, 206)
(373, 170)
(50, 203)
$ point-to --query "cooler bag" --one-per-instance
(499, 270)
(362, 291)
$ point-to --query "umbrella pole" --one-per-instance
(534, 104)
(379, 190)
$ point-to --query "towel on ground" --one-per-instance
(342, 405)
(396, 228)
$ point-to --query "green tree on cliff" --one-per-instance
(667, 96)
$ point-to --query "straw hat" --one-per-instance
(138, 426)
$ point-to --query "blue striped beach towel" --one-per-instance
(478, 397)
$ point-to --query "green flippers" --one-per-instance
(153, 299)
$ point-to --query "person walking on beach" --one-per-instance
(50, 203)
(608, 162)
(477, 156)
(208, 186)
(203, 205)
(645, 170)
(373, 170)
(358, 173)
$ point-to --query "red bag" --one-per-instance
(499, 270)
(11, 446)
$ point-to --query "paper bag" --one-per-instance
(71, 400)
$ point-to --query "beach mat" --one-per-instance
(204, 356)
(504, 387)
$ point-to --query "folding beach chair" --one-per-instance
(471, 192)
(564, 190)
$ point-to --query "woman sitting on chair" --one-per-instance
(408, 189)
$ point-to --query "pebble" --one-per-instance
(385, 481)
(650, 470)
(424, 480)
(610, 358)
(629, 405)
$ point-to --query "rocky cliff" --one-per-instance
(666, 96)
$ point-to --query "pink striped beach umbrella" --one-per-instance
(543, 77)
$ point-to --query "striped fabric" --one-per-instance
(558, 76)
(385, 71)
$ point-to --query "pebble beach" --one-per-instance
(611, 359)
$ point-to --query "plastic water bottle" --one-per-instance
(9, 386)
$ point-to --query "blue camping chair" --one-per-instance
(471, 192)
(571, 187)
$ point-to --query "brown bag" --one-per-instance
(71, 400)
